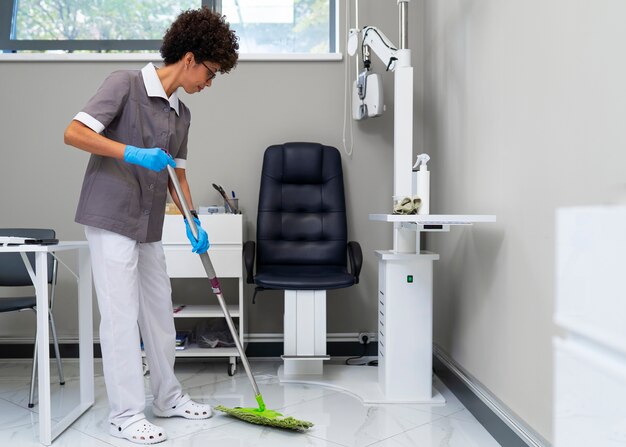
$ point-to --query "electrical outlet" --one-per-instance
(364, 338)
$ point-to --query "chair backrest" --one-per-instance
(12, 269)
(302, 212)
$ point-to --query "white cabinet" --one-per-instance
(226, 236)
(590, 359)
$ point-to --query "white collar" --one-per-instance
(155, 88)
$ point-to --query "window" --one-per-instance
(282, 26)
(263, 26)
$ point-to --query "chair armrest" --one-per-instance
(248, 259)
(355, 256)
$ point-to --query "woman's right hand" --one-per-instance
(154, 158)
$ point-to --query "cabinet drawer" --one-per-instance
(221, 228)
(182, 263)
(590, 391)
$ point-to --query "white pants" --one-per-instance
(134, 294)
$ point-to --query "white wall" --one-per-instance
(527, 101)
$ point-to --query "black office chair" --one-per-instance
(13, 273)
(301, 242)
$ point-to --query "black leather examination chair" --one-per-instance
(302, 245)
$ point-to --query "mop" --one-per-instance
(260, 415)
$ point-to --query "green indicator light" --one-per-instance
(409, 278)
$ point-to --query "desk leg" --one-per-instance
(85, 329)
(43, 347)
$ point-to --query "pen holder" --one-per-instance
(235, 203)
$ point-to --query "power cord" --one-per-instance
(346, 92)
(370, 363)
(360, 356)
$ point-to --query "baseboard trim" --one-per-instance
(502, 423)
(254, 348)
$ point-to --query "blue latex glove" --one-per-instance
(200, 245)
(154, 158)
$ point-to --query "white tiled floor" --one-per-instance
(340, 419)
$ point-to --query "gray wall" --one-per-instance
(258, 104)
(526, 101)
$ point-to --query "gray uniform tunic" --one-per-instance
(118, 196)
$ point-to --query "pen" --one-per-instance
(179, 308)
(233, 193)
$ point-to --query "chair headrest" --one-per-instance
(302, 163)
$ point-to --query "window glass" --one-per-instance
(281, 26)
(263, 26)
(96, 19)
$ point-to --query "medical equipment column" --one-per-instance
(405, 326)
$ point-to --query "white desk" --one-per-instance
(47, 430)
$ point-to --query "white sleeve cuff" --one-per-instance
(181, 163)
(89, 121)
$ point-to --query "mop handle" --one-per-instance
(210, 271)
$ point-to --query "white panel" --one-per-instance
(183, 263)
(591, 291)
(406, 320)
(320, 322)
(290, 323)
(221, 228)
(590, 391)
(305, 343)
(382, 293)
(403, 131)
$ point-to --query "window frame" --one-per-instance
(144, 46)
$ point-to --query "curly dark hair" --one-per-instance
(205, 34)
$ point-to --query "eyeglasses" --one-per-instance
(212, 74)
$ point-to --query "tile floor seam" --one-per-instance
(429, 410)
(451, 415)
(410, 429)
(235, 377)
(32, 410)
(326, 440)
(310, 400)
(19, 427)
(202, 430)
(439, 417)
(88, 435)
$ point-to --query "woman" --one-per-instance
(134, 126)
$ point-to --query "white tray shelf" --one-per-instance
(205, 311)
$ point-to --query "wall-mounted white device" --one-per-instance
(367, 96)
(367, 90)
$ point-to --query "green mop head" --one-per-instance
(262, 416)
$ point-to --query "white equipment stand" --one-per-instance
(405, 315)
(405, 295)
(305, 332)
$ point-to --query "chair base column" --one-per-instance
(305, 332)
